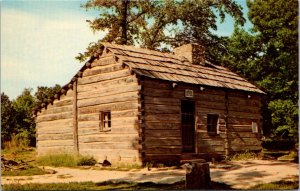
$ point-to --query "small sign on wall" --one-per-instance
(189, 93)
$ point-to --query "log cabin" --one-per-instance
(135, 105)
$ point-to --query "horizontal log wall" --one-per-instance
(54, 126)
(163, 120)
(243, 110)
(107, 86)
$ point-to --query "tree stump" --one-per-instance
(197, 175)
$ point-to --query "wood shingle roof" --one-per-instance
(170, 67)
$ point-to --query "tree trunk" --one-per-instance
(124, 21)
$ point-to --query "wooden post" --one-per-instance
(75, 118)
(226, 146)
(197, 175)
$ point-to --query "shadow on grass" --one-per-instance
(109, 185)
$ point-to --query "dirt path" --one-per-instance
(240, 175)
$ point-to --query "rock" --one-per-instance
(106, 163)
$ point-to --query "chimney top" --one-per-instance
(194, 53)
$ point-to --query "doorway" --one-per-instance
(188, 126)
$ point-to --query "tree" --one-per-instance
(8, 120)
(25, 124)
(269, 57)
(165, 22)
(43, 94)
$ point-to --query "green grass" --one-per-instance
(63, 159)
(279, 185)
(26, 172)
(108, 185)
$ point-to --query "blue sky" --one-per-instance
(40, 39)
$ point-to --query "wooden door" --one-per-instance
(188, 126)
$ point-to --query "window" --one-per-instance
(105, 121)
(212, 124)
(254, 127)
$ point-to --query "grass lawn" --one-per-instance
(27, 155)
(108, 186)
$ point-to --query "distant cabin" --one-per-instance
(134, 105)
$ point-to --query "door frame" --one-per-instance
(195, 125)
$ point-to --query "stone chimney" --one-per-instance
(195, 53)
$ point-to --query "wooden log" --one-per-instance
(111, 106)
(75, 119)
(108, 138)
(166, 126)
(105, 76)
(234, 135)
(55, 136)
(209, 148)
(55, 110)
(167, 150)
(104, 61)
(211, 142)
(126, 113)
(113, 82)
(110, 152)
(102, 69)
(52, 117)
(162, 109)
(107, 91)
(162, 133)
(61, 122)
(55, 143)
(63, 102)
(109, 145)
(43, 150)
(108, 99)
(149, 141)
(210, 105)
(54, 130)
(163, 117)
(197, 176)
(161, 101)
(245, 142)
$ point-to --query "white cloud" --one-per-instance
(40, 50)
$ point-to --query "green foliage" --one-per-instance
(279, 185)
(43, 94)
(8, 119)
(154, 24)
(269, 57)
(86, 161)
(25, 122)
(62, 159)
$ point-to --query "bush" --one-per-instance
(63, 159)
(86, 161)
(278, 144)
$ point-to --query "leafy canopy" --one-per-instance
(269, 57)
(153, 24)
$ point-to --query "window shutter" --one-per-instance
(254, 127)
(101, 121)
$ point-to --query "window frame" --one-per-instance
(211, 117)
(104, 121)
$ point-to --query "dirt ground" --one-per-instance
(239, 174)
